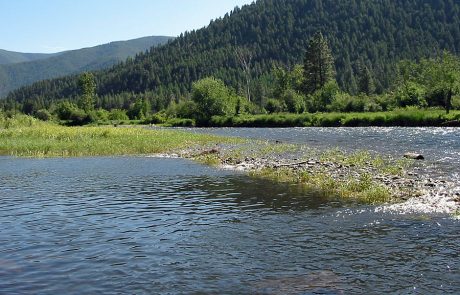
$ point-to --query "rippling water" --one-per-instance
(440, 146)
(169, 226)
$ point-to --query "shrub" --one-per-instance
(102, 115)
(411, 94)
(212, 98)
(43, 115)
(158, 118)
(342, 102)
(65, 110)
(294, 101)
(177, 122)
(186, 109)
(118, 115)
(273, 106)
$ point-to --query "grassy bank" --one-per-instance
(336, 174)
(27, 137)
(361, 177)
(403, 118)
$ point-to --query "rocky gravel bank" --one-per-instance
(410, 190)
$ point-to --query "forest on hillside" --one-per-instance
(252, 47)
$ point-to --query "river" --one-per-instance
(137, 225)
(440, 146)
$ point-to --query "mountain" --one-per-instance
(374, 33)
(13, 76)
(11, 57)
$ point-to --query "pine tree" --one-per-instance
(88, 91)
(366, 83)
(318, 64)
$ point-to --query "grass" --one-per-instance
(23, 136)
(410, 117)
(362, 189)
(35, 139)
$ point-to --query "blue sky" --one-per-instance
(57, 25)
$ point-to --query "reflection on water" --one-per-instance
(145, 225)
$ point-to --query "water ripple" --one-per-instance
(133, 225)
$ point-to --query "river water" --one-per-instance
(440, 146)
(135, 225)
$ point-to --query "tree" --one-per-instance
(442, 78)
(281, 83)
(318, 64)
(139, 110)
(212, 98)
(366, 83)
(437, 79)
(87, 86)
(245, 59)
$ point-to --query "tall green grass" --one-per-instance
(19, 120)
(403, 117)
(48, 140)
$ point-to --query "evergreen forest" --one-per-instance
(274, 56)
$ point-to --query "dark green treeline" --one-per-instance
(365, 37)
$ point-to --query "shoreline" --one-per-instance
(359, 177)
(393, 188)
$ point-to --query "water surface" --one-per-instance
(440, 146)
(169, 226)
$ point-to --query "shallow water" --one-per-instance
(169, 226)
(440, 146)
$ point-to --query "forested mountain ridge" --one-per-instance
(11, 57)
(15, 75)
(374, 33)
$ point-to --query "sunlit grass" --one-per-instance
(26, 137)
(401, 117)
(362, 190)
(48, 140)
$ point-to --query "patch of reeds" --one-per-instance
(48, 140)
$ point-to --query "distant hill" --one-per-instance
(15, 75)
(11, 57)
(374, 33)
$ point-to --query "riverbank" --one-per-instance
(38, 139)
(359, 177)
(398, 118)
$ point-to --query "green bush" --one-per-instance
(43, 115)
(274, 106)
(294, 101)
(66, 110)
(186, 109)
(102, 115)
(158, 118)
(118, 115)
(178, 122)
(456, 102)
(212, 98)
(411, 94)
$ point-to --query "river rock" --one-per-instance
(414, 156)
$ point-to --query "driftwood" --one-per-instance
(209, 152)
(414, 156)
(292, 164)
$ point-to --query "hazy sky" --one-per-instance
(57, 25)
